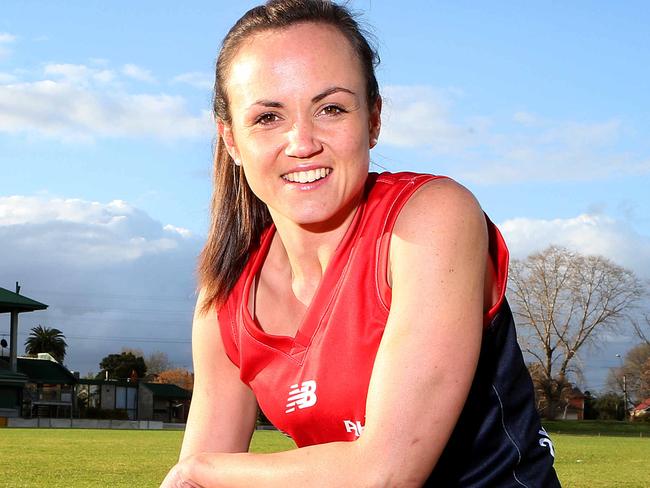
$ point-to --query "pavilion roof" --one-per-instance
(168, 391)
(11, 301)
(10, 378)
(45, 371)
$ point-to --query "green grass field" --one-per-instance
(116, 458)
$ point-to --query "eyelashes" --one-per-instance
(270, 118)
(267, 118)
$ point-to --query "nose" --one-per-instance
(302, 140)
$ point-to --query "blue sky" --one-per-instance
(106, 141)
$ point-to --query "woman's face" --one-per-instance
(300, 125)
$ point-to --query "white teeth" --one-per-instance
(307, 176)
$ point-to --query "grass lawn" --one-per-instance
(602, 462)
(115, 458)
(80, 458)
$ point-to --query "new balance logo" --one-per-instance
(352, 426)
(545, 441)
(302, 396)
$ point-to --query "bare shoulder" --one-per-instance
(442, 207)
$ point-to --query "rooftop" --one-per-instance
(43, 371)
(168, 391)
(11, 301)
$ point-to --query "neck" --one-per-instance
(308, 250)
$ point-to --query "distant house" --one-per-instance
(575, 405)
(165, 402)
(45, 388)
(137, 400)
(12, 385)
(49, 391)
(642, 410)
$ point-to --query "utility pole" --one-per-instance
(624, 387)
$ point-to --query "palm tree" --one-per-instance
(46, 339)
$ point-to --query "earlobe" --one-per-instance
(225, 132)
(375, 123)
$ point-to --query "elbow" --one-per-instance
(395, 479)
(390, 469)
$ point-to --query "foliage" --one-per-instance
(590, 412)
(46, 339)
(563, 300)
(178, 376)
(610, 406)
(598, 428)
(636, 368)
(551, 394)
(157, 362)
(122, 366)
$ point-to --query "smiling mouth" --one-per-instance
(307, 176)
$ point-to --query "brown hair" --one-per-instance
(238, 217)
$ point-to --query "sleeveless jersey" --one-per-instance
(314, 385)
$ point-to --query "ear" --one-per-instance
(225, 132)
(374, 122)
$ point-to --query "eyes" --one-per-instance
(270, 118)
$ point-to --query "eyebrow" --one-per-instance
(334, 89)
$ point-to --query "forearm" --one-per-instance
(334, 464)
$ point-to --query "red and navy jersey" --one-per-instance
(314, 385)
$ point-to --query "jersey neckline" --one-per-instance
(323, 297)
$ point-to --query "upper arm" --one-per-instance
(427, 357)
(223, 410)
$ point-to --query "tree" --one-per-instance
(46, 339)
(563, 300)
(636, 369)
(610, 406)
(121, 366)
(178, 376)
(157, 362)
(551, 394)
(643, 335)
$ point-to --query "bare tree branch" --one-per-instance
(563, 300)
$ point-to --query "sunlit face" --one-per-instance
(300, 124)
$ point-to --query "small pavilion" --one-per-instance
(11, 381)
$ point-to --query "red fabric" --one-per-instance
(327, 365)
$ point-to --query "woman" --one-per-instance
(364, 313)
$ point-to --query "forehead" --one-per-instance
(299, 55)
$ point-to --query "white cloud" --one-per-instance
(79, 74)
(479, 149)
(138, 73)
(587, 234)
(5, 37)
(85, 231)
(6, 78)
(178, 230)
(81, 103)
(420, 116)
(105, 270)
(203, 81)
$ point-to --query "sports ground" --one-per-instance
(587, 455)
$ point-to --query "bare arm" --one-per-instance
(423, 369)
(223, 411)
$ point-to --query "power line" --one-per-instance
(157, 297)
(124, 338)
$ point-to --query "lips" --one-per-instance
(307, 176)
